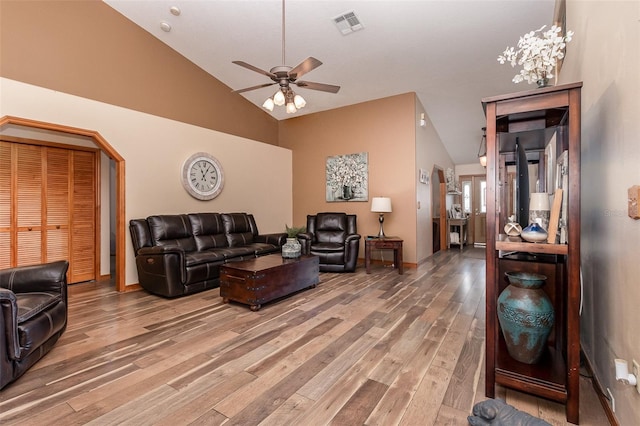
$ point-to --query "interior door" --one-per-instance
(479, 210)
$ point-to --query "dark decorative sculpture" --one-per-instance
(496, 412)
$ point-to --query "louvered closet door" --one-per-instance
(83, 216)
(5, 205)
(28, 199)
(57, 204)
(48, 207)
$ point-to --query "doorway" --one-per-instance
(110, 152)
(474, 206)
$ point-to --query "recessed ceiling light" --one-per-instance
(164, 26)
(175, 10)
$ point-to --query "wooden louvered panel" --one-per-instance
(57, 244)
(57, 204)
(5, 205)
(29, 247)
(29, 188)
(83, 217)
(5, 186)
(5, 249)
(82, 257)
(57, 193)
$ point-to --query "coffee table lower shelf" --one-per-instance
(257, 281)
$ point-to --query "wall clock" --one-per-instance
(202, 176)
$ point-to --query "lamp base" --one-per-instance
(381, 220)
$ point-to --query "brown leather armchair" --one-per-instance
(33, 315)
(334, 238)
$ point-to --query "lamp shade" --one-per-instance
(268, 104)
(278, 98)
(381, 205)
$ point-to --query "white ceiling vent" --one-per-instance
(348, 22)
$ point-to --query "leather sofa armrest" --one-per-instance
(277, 239)
(44, 277)
(351, 248)
(166, 265)
(352, 237)
(305, 239)
(306, 236)
(9, 322)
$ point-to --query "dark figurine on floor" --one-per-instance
(496, 412)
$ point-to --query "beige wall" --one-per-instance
(155, 148)
(386, 130)
(88, 49)
(430, 153)
(605, 55)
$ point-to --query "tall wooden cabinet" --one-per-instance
(546, 122)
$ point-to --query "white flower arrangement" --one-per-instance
(537, 55)
(347, 170)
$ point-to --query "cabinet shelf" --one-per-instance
(507, 243)
(532, 120)
(547, 378)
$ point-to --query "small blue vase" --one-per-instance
(534, 233)
(526, 316)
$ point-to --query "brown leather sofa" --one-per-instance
(182, 254)
(33, 315)
(334, 238)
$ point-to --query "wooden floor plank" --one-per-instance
(377, 349)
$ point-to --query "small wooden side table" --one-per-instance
(391, 243)
(463, 225)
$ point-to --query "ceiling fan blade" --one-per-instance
(252, 68)
(246, 89)
(304, 67)
(318, 86)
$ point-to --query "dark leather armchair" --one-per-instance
(33, 315)
(333, 237)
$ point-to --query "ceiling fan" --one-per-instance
(285, 76)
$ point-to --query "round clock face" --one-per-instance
(202, 176)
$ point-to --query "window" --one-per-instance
(466, 197)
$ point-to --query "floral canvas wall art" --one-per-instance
(347, 177)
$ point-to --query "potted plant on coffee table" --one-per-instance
(292, 248)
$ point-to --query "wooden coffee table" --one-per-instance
(263, 279)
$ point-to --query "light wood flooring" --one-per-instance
(382, 349)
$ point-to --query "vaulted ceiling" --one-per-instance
(443, 50)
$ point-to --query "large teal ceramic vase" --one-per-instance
(526, 316)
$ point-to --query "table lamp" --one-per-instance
(381, 205)
(539, 210)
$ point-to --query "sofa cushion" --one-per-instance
(208, 256)
(208, 230)
(172, 231)
(238, 229)
(263, 248)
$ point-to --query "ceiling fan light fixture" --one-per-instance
(299, 101)
(285, 76)
(482, 150)
(291, 108)
(268, 104)
(278, 98)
